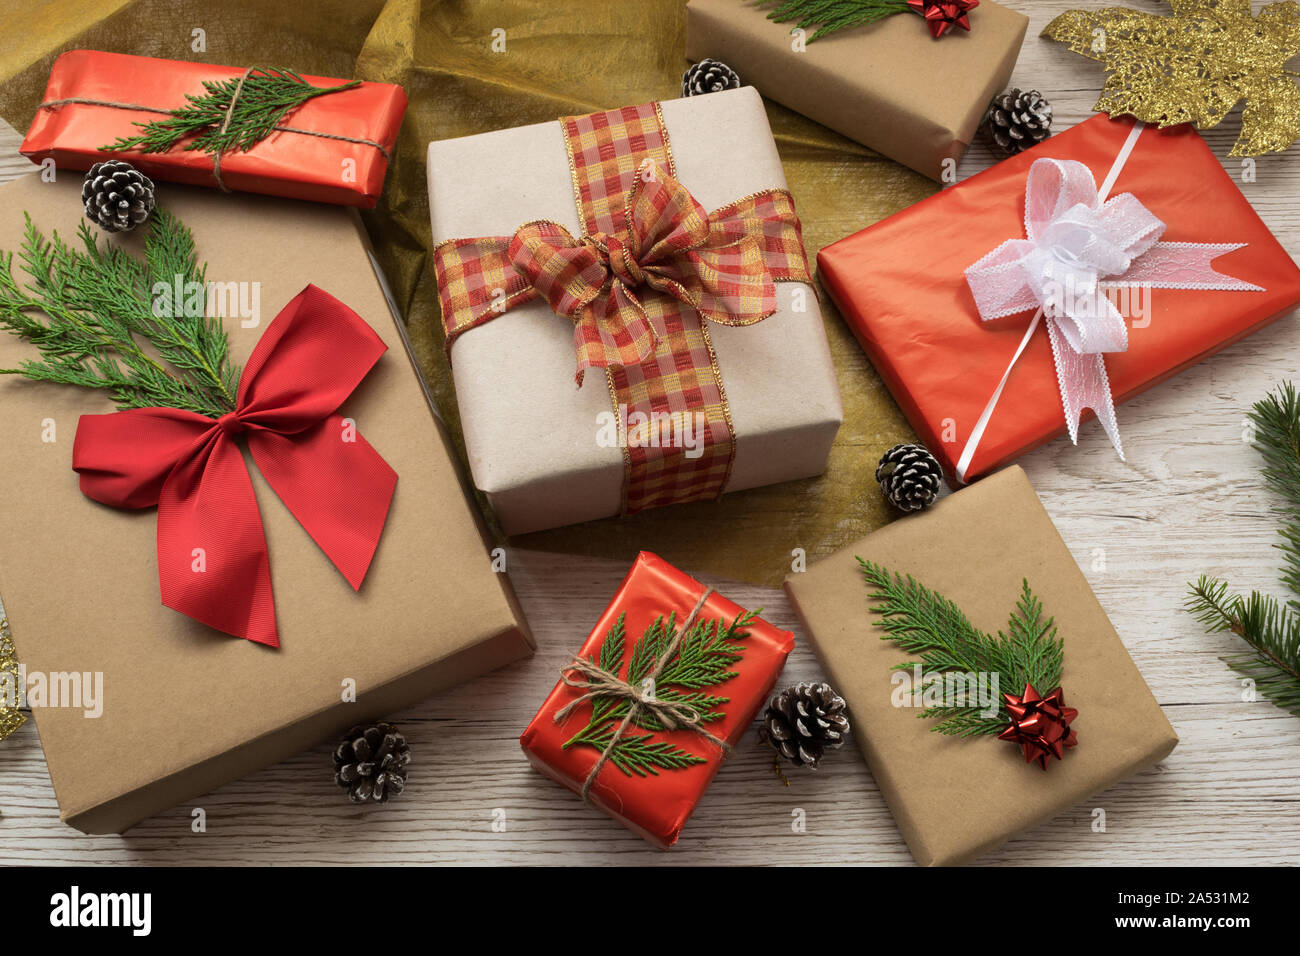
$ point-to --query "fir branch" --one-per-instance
(263, 102)
(1270, 628)
(702, 659)
(87, 310)
(929, 625)
(833, 15)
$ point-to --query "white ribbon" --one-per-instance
(1079, 245)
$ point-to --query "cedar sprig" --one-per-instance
(1270, 628)
(88, 310)
(832, 15)
(702, 660)
(266, 97)
(929, 625)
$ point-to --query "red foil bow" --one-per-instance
(942, 15)
(711, 264)
(1040, 725)
(212, 559)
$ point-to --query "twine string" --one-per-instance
(596, 682)
(225, 123)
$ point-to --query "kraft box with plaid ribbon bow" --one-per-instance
(653, 254)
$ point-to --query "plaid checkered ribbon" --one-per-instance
(638, 285)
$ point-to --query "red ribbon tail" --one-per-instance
(212, 559)
(336, 485)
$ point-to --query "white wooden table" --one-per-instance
(1189, 500)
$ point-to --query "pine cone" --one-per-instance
(1015, 121)
(909, 476)
(803, 720)
(709, 76)
(371, 762)
(117, 196)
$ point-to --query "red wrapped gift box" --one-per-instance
(296, 165)
(658, 804)
(901, 286)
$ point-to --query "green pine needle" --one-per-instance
(1269, 627)
(833, 15)
(929, 625)
(88, 309)
(267, 96)
(703, 659)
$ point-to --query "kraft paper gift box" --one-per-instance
(80, 581)
(889, 85)
(657, 802)
(955, 798)
(533, 439)
(902, 288)
(345, 164)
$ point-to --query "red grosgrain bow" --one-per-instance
(942, 15)
(714, 265)
(1040, 725)
(212, 560)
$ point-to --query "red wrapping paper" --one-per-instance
(284, 164)
(901, 286)
(657, 807)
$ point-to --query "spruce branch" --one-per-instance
(703, 659)
(88, 309)
(1270, 628)
(929, 625)
(266, 97)
(832, 15)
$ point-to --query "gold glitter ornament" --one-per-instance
(1196, 66)
(11, 718)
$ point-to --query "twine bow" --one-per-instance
(597, 682)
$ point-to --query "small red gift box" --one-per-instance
(901, 285)
(654, 795)
(334, 148)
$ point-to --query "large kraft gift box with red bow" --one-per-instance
(186, 708)
(891, 85)
(668, 682)
(333, 148)
(1215, 274)
(598, 244)
(955, 798)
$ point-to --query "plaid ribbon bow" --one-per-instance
(671, 245)
(641, 285)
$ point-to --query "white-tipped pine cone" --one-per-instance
(117, 196)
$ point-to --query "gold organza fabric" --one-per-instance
(469, 67)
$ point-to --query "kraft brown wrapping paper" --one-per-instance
(956, 799)
(889, 85)
(186, 708)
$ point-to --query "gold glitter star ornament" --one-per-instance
(1196, 65)
(11, 718)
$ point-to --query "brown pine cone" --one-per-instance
(1016, 121)
(909, 476)
(802, 721)
(117, 196)
(370, 763)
